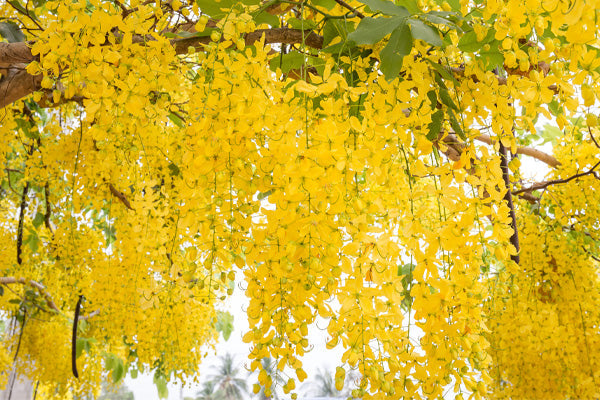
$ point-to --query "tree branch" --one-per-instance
(544, 185)
(6, 280)
(528, 151)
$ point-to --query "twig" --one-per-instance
(349, 7)
(593, 138)
(544, 185)
(514, 239)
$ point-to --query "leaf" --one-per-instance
(333, 28)
(425, 32)
(213, 8)
(455, 125)
(435, 126)
(161, 385)
(469, 43)
(393, 53)
(287, 62)
(264, 195)
(492, 58)
(38, 220)
(118, 372)
(176, 120)
(224, 324)
(372, 30)
(327, 4)
(80, 346)
(447, 99)
(11, 32)
(411, 5)
(173, 169)
(386, 7)
(301, 24)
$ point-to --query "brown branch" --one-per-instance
(544, 185)
(6, 280)
(349, 7)
(527, 151)
(274, 35)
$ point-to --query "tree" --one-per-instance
(269, 391)
(357, 161)
(324, 385)
(208, 392)
(226, 381)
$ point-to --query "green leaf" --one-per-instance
(288, 62)
(333, 28)
(11, 32)
(455, 125)
(425, 32)
(435, 18)
(133, 373)
(118, 371)
(224, 324)
(442, 73)
(435, 126)
(492, 58)
(296, 23)
(176, 120)
(215, 9)
(262, 195)
(372, 30)
(161, 385)
(38, 220)
(469, 43)
(386, 7)
(447, 99)
(411, 5)
(393, 53)
(266, 18)
(173, 169)
(328, 4)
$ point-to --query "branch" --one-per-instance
(544, 185)
(6, 280)
(274, 35)
(528, 151)
(349, 7)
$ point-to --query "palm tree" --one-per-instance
(208, 392)
(268, 365)
(324, 384)
(226, 382)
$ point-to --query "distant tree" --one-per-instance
(226, 380)
(324, 384)
(208, 392)
(120, 392)
(270, 367)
